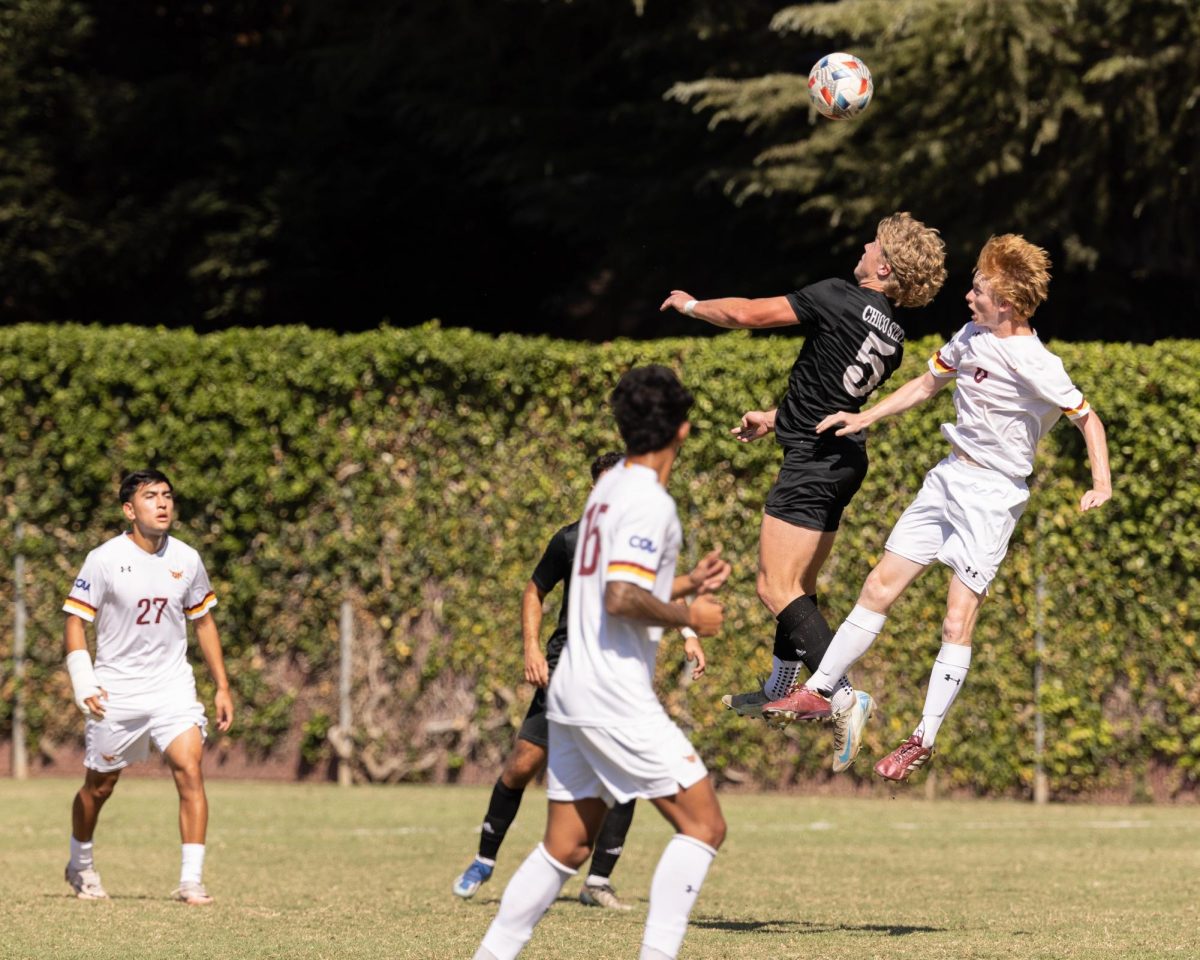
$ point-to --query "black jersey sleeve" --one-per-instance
(815, 304)
(555, 565)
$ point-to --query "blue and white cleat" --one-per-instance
(848, 729)
(474, 877)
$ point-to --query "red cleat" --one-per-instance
(906, 758)
(801, 703)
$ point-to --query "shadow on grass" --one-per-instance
(807, 926)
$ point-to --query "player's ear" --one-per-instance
(127, 509)
(682, 433)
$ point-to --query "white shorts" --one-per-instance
(617, 765)
(963, 516)
(130, 723)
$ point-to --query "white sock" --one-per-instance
(949, 672)
(783, 674)
(673, 891)
(528, 895)
(81, 854)
(595, 880)
(843, 695)
(853, 638)
(192, 865)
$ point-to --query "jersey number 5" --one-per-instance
(589, 550)
(146, 604)
(869, 364)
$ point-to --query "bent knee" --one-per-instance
(955, 630)
(711, 832)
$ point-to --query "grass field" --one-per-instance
(316, 872)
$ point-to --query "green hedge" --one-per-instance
(422, 471)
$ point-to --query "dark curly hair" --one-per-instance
(649, 403)
(604, 463)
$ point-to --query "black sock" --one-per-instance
(804, 631)
(501, 811)
(611, 839)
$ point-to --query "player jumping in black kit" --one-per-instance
(528, 756)
(852, 345)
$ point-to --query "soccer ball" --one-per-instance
(840, 86)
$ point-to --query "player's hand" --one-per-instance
(755, 424)
(537, 671)
(677, 299)
(694, 651)
(710, 573)
(224, 706)
(1094, 498)
(705, 615)
(95, 706)
(845, 422)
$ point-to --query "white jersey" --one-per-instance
(1010, 392)
(140, 603)
(629, 533)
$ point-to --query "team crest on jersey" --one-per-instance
(177, 574)
(980, 375)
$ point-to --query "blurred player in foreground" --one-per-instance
(139, 589)
(528, 757)
(852, 345)
(610, 738)
(1010, 391)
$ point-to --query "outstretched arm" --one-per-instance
(755, 424)
(210, 647)
(916, 391)
(631, 602)
(1097, 448)
(537, 671)
(734, 313)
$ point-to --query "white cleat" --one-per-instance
(848, 730)
(85, 883)
(192, 893)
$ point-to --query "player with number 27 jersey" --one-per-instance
(630, 532)
(140, 603)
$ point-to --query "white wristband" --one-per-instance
(83, 678)
(690, 308)
(689, 633)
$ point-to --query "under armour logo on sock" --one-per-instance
(689, 889)
(487, 827)
(957, 680)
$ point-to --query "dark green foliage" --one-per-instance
(429, 467)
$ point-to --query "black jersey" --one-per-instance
(552, 569)
(852, 345)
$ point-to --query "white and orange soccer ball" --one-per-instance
(840, 86)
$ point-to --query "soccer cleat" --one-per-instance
(601, 895)
(85, 883)
(474, 877)
(800, 703)
(192, 893)
(848, 730)
(906, 758)
(747, 704)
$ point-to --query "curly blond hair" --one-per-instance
(917, 257)
(1018, 271)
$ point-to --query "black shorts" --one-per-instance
(535, 727)
(817, 482)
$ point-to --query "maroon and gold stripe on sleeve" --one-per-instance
(1082, 410)
(940, 366)
(79, 608)
(624, 566)
(209, 599)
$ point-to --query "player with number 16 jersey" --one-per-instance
(853, 344)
